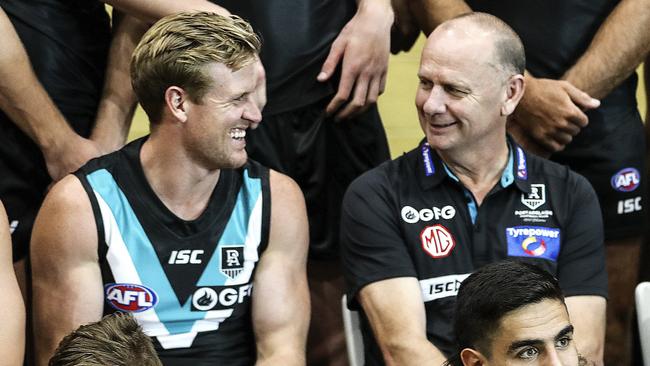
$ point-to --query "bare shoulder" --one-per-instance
(288, 213)
(65, 222)
(284, 188)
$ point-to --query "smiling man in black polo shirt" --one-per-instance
(413, 229)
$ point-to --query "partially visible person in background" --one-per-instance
(116, 340)
(326, 64)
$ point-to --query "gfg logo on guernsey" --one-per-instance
(130, 297)
(410, 215)
(533, 241)
(626, 180)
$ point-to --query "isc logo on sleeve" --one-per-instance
(533, 242)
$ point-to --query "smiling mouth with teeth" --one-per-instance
(238, 133)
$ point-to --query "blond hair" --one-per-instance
(116, 340)
(176, 49)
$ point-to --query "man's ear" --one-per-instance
(176, 102)
(514, 92)
(471, 357)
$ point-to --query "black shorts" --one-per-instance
(323, 157)
(611, 155)
(23, 183)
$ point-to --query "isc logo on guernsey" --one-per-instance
(411, 215)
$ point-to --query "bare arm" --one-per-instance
(362, 48)
(24, 100)
(115, 111)
(154, 10)
(280, 294)
(617, 49)
(395, 310)
(67, 285)
(587, 314)
(12, 317)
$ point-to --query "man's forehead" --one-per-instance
(228, 80)
(543, 320)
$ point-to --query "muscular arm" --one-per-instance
(587, 314)
(362, 48)
(28, 105)
(280, 294)
(67, 286)
(395, 310)
(12, 317)
(154, 10)
(617, 49)
(115, 111)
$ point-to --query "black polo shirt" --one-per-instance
(410, 217)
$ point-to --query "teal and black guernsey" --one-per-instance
(188, 283)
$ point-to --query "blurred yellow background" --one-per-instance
(397, 104)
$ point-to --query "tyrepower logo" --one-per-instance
(626, 180)
(130, 297)
(437, 241)
(411, 216)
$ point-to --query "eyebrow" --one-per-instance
(532, 342)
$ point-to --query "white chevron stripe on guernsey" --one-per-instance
(123, 268)
(251, 244)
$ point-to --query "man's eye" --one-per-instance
(528, 353)
(563, 343)
(455, 91)
(425, 84)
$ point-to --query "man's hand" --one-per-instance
(363, 47)
(551, 113)
(70, 156)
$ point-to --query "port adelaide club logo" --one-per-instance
(232, 261)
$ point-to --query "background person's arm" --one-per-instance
(395, 310)
(66, 278)
(617, 49)
(28, 105)
(362, 48)
(12, 316)
(118, 102)
(281, 305)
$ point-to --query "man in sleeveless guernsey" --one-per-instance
(578, 50)
(206, 248)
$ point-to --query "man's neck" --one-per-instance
(479, 171)
(183, 186)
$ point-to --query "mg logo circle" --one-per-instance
(437, 241)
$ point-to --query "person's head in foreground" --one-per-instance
(116, 340)
(471, 79)
(199, 78)
(512, 313)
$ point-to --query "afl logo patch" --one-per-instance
(626, 180)
(130, 297)
(437, 241)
